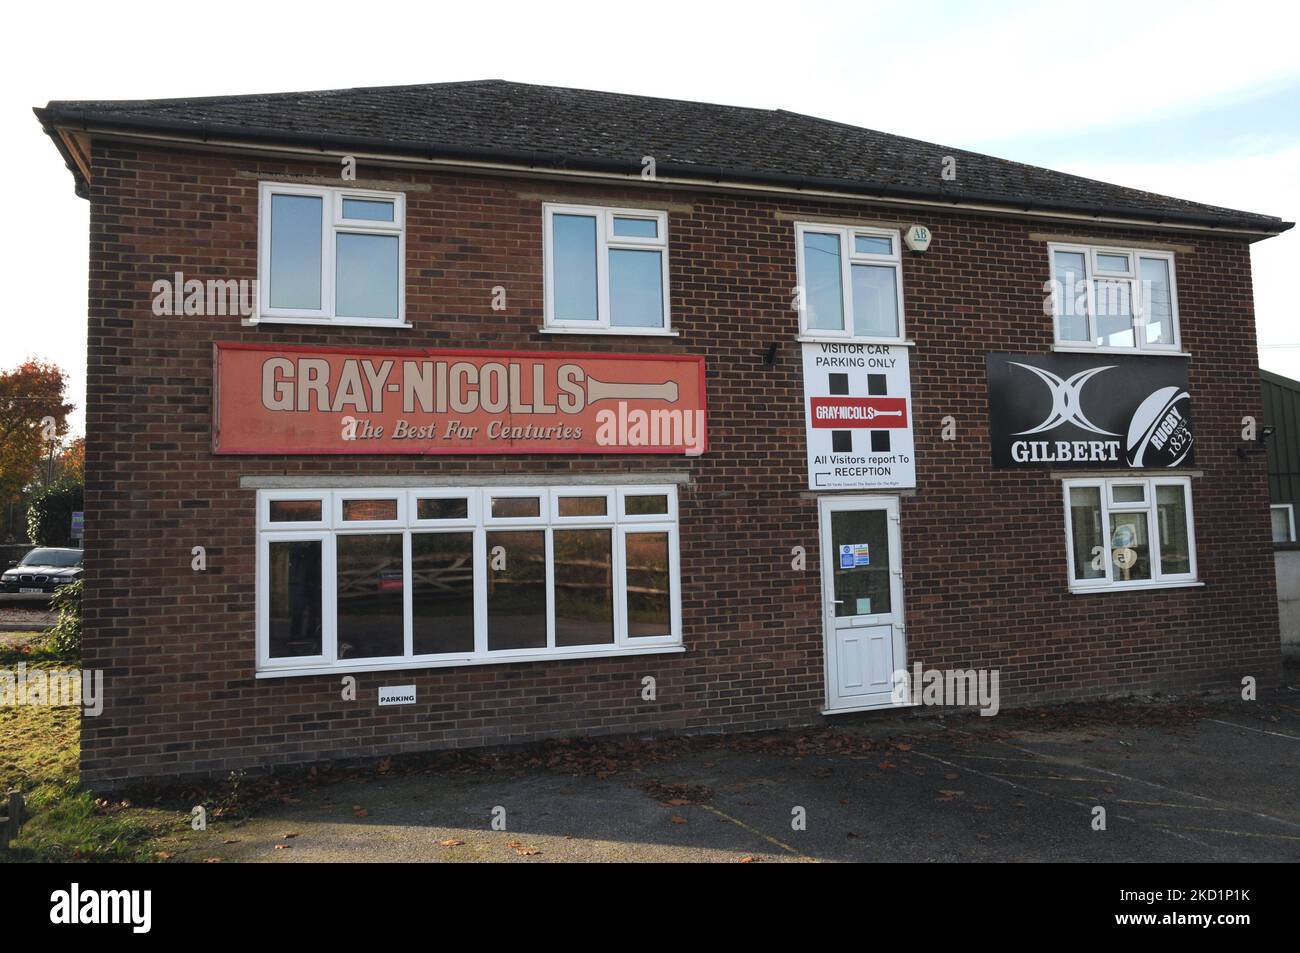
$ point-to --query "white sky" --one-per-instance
(1195, 99)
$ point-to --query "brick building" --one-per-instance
(499, 399)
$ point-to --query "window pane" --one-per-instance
(1130, 550)
(295, 511)
(1157, 301)
(1128, 493)
(1171, 518)
(648, 592)
(442, 508)
(295, 599)
(636, 227)
(1281, 524)
(295, 251)
(636, 289)
(645, 504)
(573, 254)
(873, 244)
(1113, 263)
(369, 573)
(358, 510)
(370, 210)
(366, 276)
(442, 592)
(862, 585)
(582, 506)
(1113, 306)
(1085, 528)
(875, 301)
(516, 584)
(513, 507)
(1069, 277)
(584, 587)
(823, 281)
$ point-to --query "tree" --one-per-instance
(72, 460)
(33, 414)
(50, 509)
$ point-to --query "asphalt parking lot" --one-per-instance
(1199, 781)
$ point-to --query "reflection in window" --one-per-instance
(822, 283)
(584, 586)
(296, 222)
(516, 589)
(573, 264)
(368, 569)
(442, 592)
(1085, 525)
(1171, 516)
(648, 593)
(295, 598)
(295, 511)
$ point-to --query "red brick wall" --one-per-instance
(984, 550)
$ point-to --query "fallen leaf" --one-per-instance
(284, 847)
(165, 855)
(678, 819)
(886, 765)
(451, 842)
(748, 859)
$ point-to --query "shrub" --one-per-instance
(65, 636)
(50, 509)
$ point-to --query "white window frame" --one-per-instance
(1290, 520)
(849, 256)
(332, 224)
(1091, 253)
(479, 523)
(1105, 486)
(606, 242)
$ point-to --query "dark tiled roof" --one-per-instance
(581, 129)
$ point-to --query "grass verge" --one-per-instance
(39, 752)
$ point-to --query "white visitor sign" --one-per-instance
(858, 416)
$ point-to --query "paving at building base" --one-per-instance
(1204, 781)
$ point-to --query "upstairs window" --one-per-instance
(850, 283)
(1114, 299)
(606, 269)
(331, 255)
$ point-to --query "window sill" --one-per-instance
(613, 332)
(1133, 351)
(404, 665)
(1135, 587)
(823, 339)
(330, 322)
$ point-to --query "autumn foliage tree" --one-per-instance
(33, 413)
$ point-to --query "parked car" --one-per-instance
(39, 573)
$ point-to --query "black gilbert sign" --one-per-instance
(1089, 411)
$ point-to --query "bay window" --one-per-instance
(606, 270)
(357, 580)
(850, 282)
(331, 255)
(1120, 299)
(1129, 533)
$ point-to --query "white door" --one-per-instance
(862, 598)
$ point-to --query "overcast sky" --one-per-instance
(1197, 100)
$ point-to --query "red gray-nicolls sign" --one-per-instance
(1090, 411)
(858, 416)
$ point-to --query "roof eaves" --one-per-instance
(54, 116)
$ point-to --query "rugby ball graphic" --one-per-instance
(1160, 433)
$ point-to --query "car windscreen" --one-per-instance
(60, 558)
